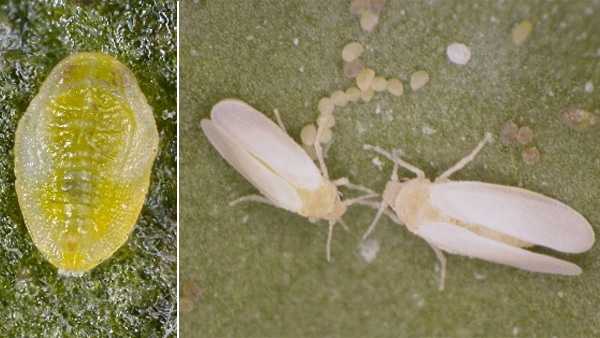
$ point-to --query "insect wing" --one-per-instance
(267, 142)
(458, 240)
(520, 213)
(270, 184)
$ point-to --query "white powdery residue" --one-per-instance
(378, 109)
(560, 294)
(368, 250)
(301, 69)
(515, 331)
(193, 52)
(15, 251)
(581, 36)
(167, 114)
(418, 300)
(245, 219)
(458, 53)
(479, 276)
(588, 87)
(493, 19)
(360, 128)
(389, 115)
(427, 130)
(250, 38)
(296, 42)
(377, 162)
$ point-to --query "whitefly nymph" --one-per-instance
(83, 156)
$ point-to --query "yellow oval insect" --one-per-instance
(83, 156)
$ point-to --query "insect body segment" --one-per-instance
(276, 165)
(486, 221)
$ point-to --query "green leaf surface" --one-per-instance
(262, 270)
(132, 294)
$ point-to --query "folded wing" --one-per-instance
(458, 240)
(267, 142)
(517, 212)
(269, 183)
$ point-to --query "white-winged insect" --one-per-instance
(276, 165)
(482, 220)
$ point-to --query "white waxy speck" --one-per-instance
(515, 331)
(123, 206)
(308, 134)
(377, 162)
(418, 301)
(419, 79)
(588, 87)
(368, 250)
(296, 41)
(245, 219)
(353, 94)
(339, 98)
(364, 78)
(521, 31)
(560, 294)
(427, 130)
(479, 276)
(395, 87)
(352, 51)
(458, 53)
(326, 106)
(379, 83)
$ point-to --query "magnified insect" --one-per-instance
(83, 156)
(482, 220)
(276, 165)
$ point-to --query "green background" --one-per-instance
(133, 293)
(262, 270)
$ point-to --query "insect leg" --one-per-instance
(395, 159)
(463, 161)
(279, 121)
(319, 151)
(442, 259)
